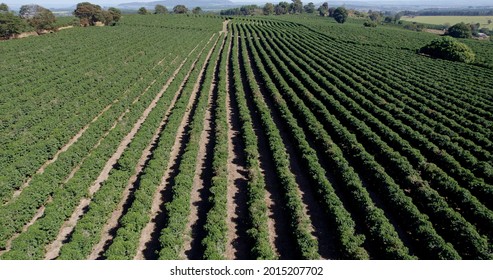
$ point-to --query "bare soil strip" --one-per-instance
(74, 139)
(38, 215)
(203, 174)
(146, 154)
(225, 27)
(54, 248)
(159, 200)
(65, 27)
(237, 244)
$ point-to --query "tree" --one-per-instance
(43, 19)
(28, 11)
(323, 10)
(340, 14)
(4, 7)
(388, 19)
(10, 24)
(489, 21)
(282, 8)
(116, 13)
(38, 17)
(160, 9)
(197, 10)
(331, 11)
(142, 11)
(248, 10)
(460, 30)
(397, 17)
(180, 9)
(450, 49)
(268, 9)
(309, 8)
(296, 7)
(374, 16)
(112, 16)
(88, 13)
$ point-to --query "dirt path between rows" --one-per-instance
(202, 176)
(225, 27)
(149, 229)
(237, 209)
(54, 248)
(112, 223)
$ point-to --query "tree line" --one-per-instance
(340, 14)
(450, 12)
(162, 10)
(36, 18)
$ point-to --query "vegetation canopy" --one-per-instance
(340, 14)
(460, 30)
(449, 49)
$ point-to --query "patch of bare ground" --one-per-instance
(112, 224)
(36, 216)
(65, 27)
(237, 208)
(53, 249)
(149, 240)
(194, 232)
(225, 27)
(278, 222)
(435, 31)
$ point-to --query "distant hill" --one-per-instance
(204, 4)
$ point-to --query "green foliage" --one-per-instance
(39, 18)
(88, 13)
(4, 7)
(323, 10)
(340, 14)
(268, 9)
(396, 148)
(309, 8)
(460, 30)
(282, 8)
(180, 9)
(112, 16)
(296, 7)
(196, 10)
(11, 25)
(142, 11)
(370, 24)
(450, 49)
(160, 10)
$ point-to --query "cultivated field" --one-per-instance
(483, 20)
(175, 137)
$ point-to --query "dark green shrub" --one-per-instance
(450, 49)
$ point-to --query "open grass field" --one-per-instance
(451, 20)
(205, 137)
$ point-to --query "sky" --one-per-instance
(69, 3)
